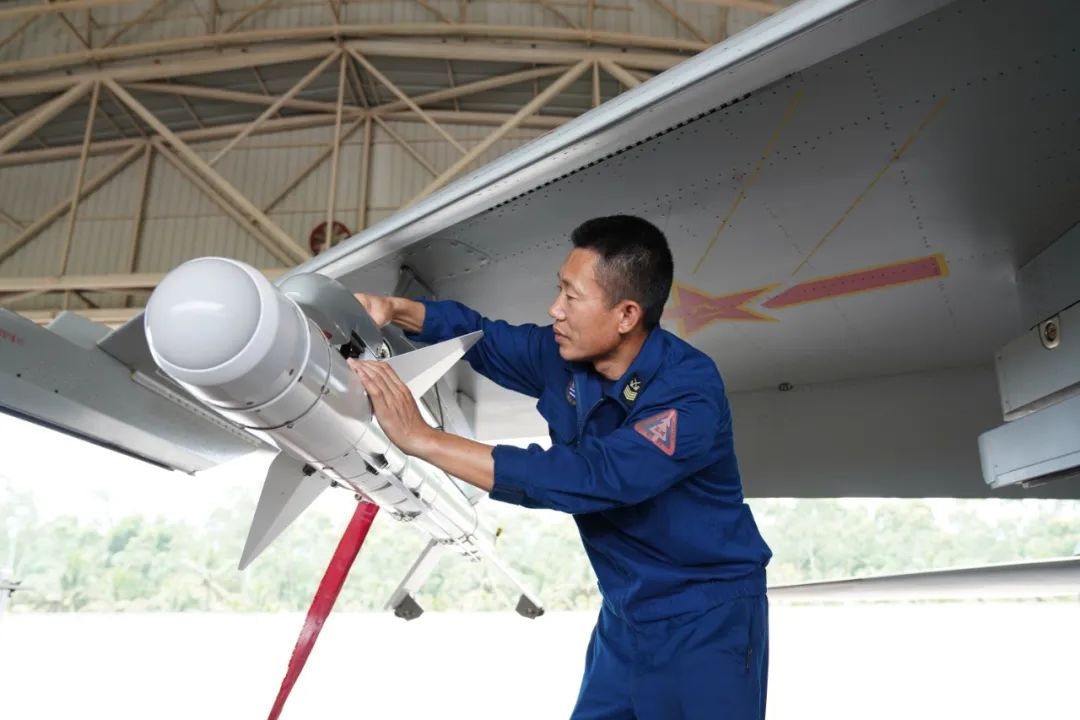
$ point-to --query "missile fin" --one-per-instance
(287, 492)
(421, 369)
(402, 601)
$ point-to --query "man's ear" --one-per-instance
(631, 315)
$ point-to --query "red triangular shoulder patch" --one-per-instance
(660, 430)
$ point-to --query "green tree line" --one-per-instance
(141, 564)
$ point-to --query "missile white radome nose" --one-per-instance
(203, 314)
(220, 328)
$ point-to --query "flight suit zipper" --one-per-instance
(583, 414)
(585, 419)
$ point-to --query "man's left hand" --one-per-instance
(393, 405)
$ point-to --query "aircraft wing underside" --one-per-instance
(852, 192)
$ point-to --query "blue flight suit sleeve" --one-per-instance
(634, 463)
(511, 355)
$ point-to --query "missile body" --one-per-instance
(247, 350)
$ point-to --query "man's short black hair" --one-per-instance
(635, 261)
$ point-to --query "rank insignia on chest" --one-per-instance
(632, 389)
(571, 392)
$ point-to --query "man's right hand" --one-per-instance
(384, 310)
(379, 307)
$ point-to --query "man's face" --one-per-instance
(586, 328)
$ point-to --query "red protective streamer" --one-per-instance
(325, 596)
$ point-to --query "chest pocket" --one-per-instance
(561, 416)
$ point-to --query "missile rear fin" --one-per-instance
(288, 491)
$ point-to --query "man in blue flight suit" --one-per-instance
(642, 455)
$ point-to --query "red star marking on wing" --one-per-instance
(660, 430)
(696, 310)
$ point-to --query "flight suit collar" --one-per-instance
(626, 390)
(637, 377)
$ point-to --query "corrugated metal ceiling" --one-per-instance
(46, 37)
